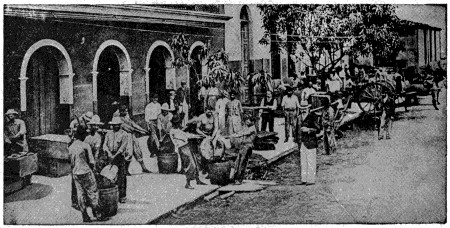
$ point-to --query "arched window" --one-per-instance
(245, 37)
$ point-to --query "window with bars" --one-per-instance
(245, 49)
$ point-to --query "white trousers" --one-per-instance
(308, 164)
(185, 110)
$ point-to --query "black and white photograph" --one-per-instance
(185, 113)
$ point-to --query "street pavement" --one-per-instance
(150, 196)
(367, 181)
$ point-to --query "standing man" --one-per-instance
(329, 140)
(234, 114)
(213, 95)
(189, 160)
(387, 108)
(152, 110)
(242, 145)
(307, 141)
(94, 139)
(306, 92)
(182, 99)
(221, 111)
(115, 146)
(132, 129)
(15, 134)
(82, 162)
(164, 124)
(267, 113)
(290, 106)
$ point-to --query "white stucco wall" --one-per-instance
(233, 33)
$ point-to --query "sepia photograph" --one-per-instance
(224, 114)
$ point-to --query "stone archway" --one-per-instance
(50, 93)
(64, 67)
(117, 51)
(162, 51)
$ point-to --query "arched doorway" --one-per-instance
(195, 75)
(108, 83)
(44, 112)
(111, 78)
(159, 69)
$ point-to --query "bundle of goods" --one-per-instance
(266, 140)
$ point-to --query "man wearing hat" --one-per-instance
(132, 129)
(115, 145)
(307, 142)
(94, 139)
(183, 101)
(306, 92)
(15, 134)
(164, 125)
(267, 113)
(152, 110)
(290, 106)
(82, 120)
(164, 122)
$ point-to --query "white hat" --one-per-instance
(304, 105)
(165, 107)
(115, 121)
(88, 116)
(95, 120)
(11, 111)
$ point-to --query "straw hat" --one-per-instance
(11, 111)
(304, 105)
(115, 121)
(165, 107)
(95, 120)
(88, 116)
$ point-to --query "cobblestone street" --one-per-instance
(402, 180)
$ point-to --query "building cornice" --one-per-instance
(126, 13)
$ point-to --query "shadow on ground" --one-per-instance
(31, 192)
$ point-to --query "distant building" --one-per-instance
(422, 45)
(63, 60)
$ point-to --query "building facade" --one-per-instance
(63, 60)
(422, 45)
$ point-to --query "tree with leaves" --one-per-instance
(311, 33)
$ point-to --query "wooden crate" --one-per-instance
(51, 146)
(54, 167)
(22, 166)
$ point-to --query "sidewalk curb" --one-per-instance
(185, 205)
(201, 197)
(282, 155)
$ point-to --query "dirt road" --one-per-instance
(402, 180)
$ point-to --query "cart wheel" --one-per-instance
(370, 95)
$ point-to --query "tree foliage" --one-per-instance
(331, 31)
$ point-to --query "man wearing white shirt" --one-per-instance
(290, 106)
(152, 111)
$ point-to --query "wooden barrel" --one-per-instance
(168, 163)
(108, 201)
(219, 172)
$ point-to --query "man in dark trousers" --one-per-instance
(82, 162)
(267, 113)
(115, 145)
(387, 108)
